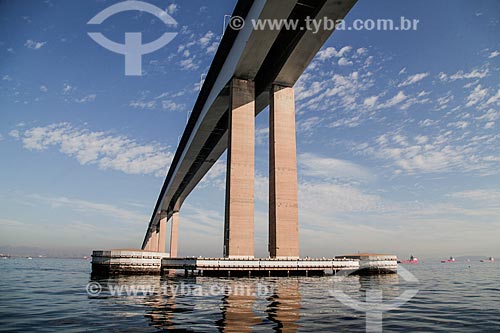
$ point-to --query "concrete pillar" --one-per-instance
(148, 244)
(162, 234)
(174, 235)
(153, 241)
(239, 213)
(283, 188)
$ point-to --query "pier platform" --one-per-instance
(135, 262)
(258, 266)
(126, 262)
(373, 263)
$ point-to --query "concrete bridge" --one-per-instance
(251, 70)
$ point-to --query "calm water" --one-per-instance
(47, 295)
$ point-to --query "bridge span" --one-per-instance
(251, 70)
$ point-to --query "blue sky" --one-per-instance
(397, 132)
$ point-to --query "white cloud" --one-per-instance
(261, 135)
(165, 101)
(344, 62)
(370, 101)
(189, 64)
(142, 104)
(491, 115)
(331, 52)
(327, 53)
(444, 152)
(421, 139)
(99, 148)
(427, 122)
(216, 175)
(398, 98)
(477, 95)
(494, 54)
(461, 75)
(212, 48)
(327, 199)
(84, 206)
(172, 8)
(15, 134)
(459, 124)
(361, 51)
(85, 99)
(343, 51)
(484, 196)
(8, 223)
(171, 106)
(413, 79)
(313, 165)
(31, 44)
(494, 99)
(67, 88)
(444, 101)
(206, 39)
(351, 122)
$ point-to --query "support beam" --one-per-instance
(283, 188)
(162, 234)
(174, 235)
(239, 212)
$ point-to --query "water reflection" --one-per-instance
(357, 286)
(176, 303)
(284, 305)
(237, 308)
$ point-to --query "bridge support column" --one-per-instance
(239, 212)
(153, 242)
(283, 188)
(148, 246)
(174, 235)
(162, 234)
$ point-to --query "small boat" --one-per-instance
(490, 259)
(449, 260)
(29, 258)
(412, 260)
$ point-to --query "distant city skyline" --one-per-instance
(398, 135)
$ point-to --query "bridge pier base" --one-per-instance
(283, 188)
(239, 211)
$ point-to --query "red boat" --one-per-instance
(449, 260)
(412, 260)
(491, 259)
